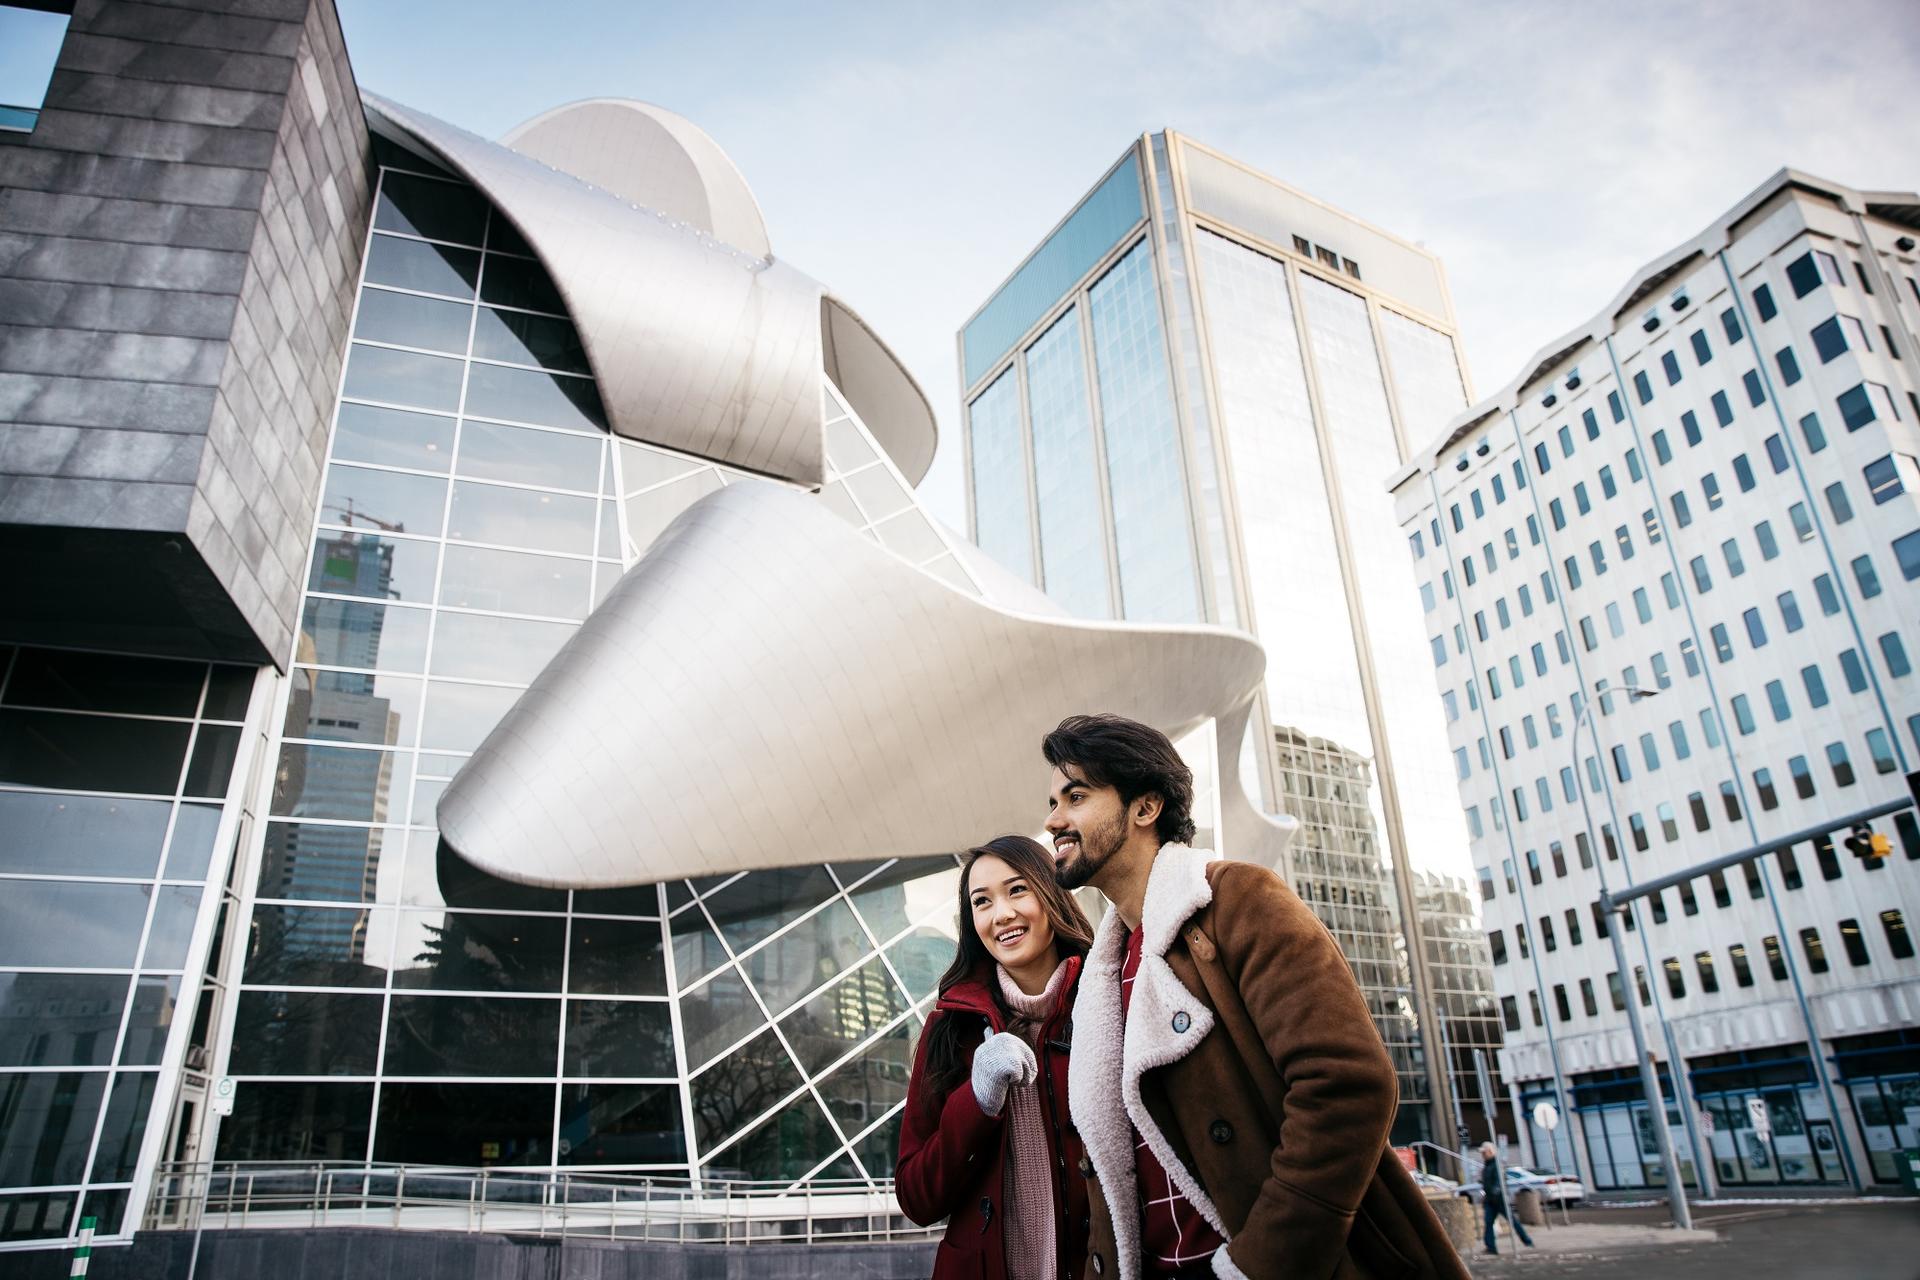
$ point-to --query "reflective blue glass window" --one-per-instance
(1670, 365)
(1868, 580)
(1756, 394)
(1702, 350)
(1001, 526)
(1893, 651)
(1069, 253)
(1769, 545)
(1722, 410)
(1856, 407)
(1145, 475)
(1073, 540)
(1907, 551)
(1763, 303)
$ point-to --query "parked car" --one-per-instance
(1437, 1185)
(1554, 1188)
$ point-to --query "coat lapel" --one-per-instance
(1164, 1023)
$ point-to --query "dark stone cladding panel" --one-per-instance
(179, 240)
(329, 1253)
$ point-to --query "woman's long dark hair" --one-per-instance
(1072, 936)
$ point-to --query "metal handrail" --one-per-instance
(212, 1195)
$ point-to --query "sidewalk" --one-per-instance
(1586, 1239)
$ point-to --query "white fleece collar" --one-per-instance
(1164, 1023)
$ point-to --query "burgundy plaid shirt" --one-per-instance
(1174, 1239)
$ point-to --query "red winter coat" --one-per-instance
(953, 1156)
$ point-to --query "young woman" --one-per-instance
(986, 1141)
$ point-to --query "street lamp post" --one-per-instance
(1649, 1082)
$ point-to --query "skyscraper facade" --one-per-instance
(1180, 407)
(1669, 577)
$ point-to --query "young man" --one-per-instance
(1227, 1081)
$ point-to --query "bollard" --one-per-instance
(84, 1254)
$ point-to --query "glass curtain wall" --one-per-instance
(1323, 741)
(114, 778)
(1072, 526)
(1146, 477)
(396, 1005)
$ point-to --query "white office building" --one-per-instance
(1707, 493)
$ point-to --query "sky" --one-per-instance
(910, 154)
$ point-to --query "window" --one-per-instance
(1899, 941)
(1633, 464)
(1709, 727)
(1880, 747)
(1789, 611)
(1566, 442)
(1730, 800)
(1762, 305)
(1533, 1003)
(1682, 511)
(1702, 577)
(1649, 752)
(1756, 629)
(32, 39)
(1533, 867)
(1906, 550)
(1763, 787)
(1756, 396)
(1856, 407)
(1590, 422)
(1541, 459)
(1643, 387)
(1837, 761)
(1883, 478)
(1869, 581)
(1676, 980)
(1894, 651)
(1637, 825)
(1776, 962)
(1829, 598)
(1838, 504)
(1697, 809)
(1497, 943)
(1580, 497)
(1572, 567)
(1669, 826)
(1557, 513)
(1777, 702)
(1662, 451)
(1815, 685)
(1710, 489)
(1853, 671)
(1539, 660)
(1616, 627)
(1730, 551)
(1802, 522)
(1690, 428)
(1789, 867)
(1547, 939)
(1737, 960)
(1560, 1005)
(1703, 965)
(1520, 940)
(1769, 545)
(1599, 557)
(1816, 951)
(1802, 779)
(1824, 855)
(1509, 1013)
(1777, 454)
(1677, 734)
(1829, 340)
(1743, 473)
(1722, 410)
(1722, 647)
(1789, 368)
(1742, 714)
(1702, 353)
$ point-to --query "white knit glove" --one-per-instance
(1001, 1061)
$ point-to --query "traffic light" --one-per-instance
(1866, 844)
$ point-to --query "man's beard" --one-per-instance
(1097, 844)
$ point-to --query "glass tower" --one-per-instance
(1184, 406)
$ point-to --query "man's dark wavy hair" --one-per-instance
(1134, 759)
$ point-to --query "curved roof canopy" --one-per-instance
(648, 156)
(767, 688)
(699, 339)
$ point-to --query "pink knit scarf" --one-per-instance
(1027, 1225)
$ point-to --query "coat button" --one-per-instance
(1221, 1132)
(1181, 1022)
(1099, 1265)
(1086, 1167)
(986, 1210)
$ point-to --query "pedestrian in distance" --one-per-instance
(985, 1140)
(1228, 1082)
(1493, 1199)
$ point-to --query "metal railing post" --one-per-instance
(399, 1192)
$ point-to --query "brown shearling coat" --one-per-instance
(1250, 1065)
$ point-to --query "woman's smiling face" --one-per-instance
(1007, 913)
